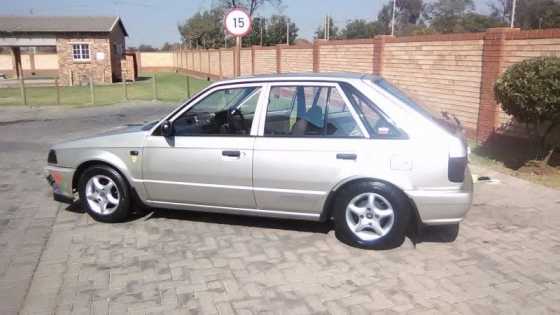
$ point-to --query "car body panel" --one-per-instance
(286, 177)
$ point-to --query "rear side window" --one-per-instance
(309, 111)
(378, 126)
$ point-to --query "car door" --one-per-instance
(208, 161)
(309, 140)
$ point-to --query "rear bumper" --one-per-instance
(60, 179)
(437, 207)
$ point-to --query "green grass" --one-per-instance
(171, 87)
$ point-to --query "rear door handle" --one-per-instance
(346, 156)
(231, 153)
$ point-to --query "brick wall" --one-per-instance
(265, 60)
(72, 72)
(353, 56)
(246, 61)
(453, 73)
(443, 75)
(296, 60)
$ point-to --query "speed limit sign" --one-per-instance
(237, 22)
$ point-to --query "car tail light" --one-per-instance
(457, 160)
(52, 157)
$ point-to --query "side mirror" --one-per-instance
(167, 129)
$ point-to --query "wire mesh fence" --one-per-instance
(165, 86)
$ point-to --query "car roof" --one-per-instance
(307, 76)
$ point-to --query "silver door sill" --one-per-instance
(232, 210)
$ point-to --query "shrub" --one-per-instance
(530, 92)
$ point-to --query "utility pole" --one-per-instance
(513, 13)
(325, 28)
(262, 25)
(328, 27)
(287, 31)
(393, 18)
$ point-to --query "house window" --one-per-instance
(80, 52)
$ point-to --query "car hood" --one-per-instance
(129, 136)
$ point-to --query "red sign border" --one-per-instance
(249, 30)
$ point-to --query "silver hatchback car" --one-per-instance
(347, 147)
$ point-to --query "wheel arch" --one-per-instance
(89, 163)
(327, 211)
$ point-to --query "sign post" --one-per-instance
(237, 22)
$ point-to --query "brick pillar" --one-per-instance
(253, 48)
(492, 55)
(138, 61)
(378, 47)
(220, 63)
(316, 55)
(279, 58)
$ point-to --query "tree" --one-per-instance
(254, 38)
(333, 31)
(276, 30)
(360, 28)
(530, 92)
(144, 47)
(408, 17)
(204, 29)
(167, 46)
(529, 14)
(447, 15)
(250, 5)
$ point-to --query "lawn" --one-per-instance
(171, 87)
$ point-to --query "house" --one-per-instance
(86, 46)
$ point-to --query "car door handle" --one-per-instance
(231, 153)
(346, 156)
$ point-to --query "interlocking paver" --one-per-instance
(505, 259)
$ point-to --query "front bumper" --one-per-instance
(60, 179)
(437, 207)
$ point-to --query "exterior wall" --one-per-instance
(215, 62)
(515, 51)
(72, 72)
(156, 60)
(296, 60)
(340, 56)
(246, 62)
(442, 75)
(227, 63)
(6, 63)
(117, 48)
(204, 65)
(446, 72)
(265, 61)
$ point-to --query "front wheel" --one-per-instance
(371, 215)
(104, 194)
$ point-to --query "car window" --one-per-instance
(377, 125)
(224, 112)
(306, 111)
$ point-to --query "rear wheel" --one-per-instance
(371, 215)
(104, 194)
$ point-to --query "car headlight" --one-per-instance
(52, 157)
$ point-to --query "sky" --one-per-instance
(154, 22)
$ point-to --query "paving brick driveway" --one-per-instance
(505, 259)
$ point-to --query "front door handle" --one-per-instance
(231, 153)
(346, 156)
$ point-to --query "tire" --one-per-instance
(382, 226)
(108, 192)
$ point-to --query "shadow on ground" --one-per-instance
(426, 234)
(512, 152)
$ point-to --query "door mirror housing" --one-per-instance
(167, 129)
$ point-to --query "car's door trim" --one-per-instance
(232, 210)
(292, 191)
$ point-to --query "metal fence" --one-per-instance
(49, 91)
